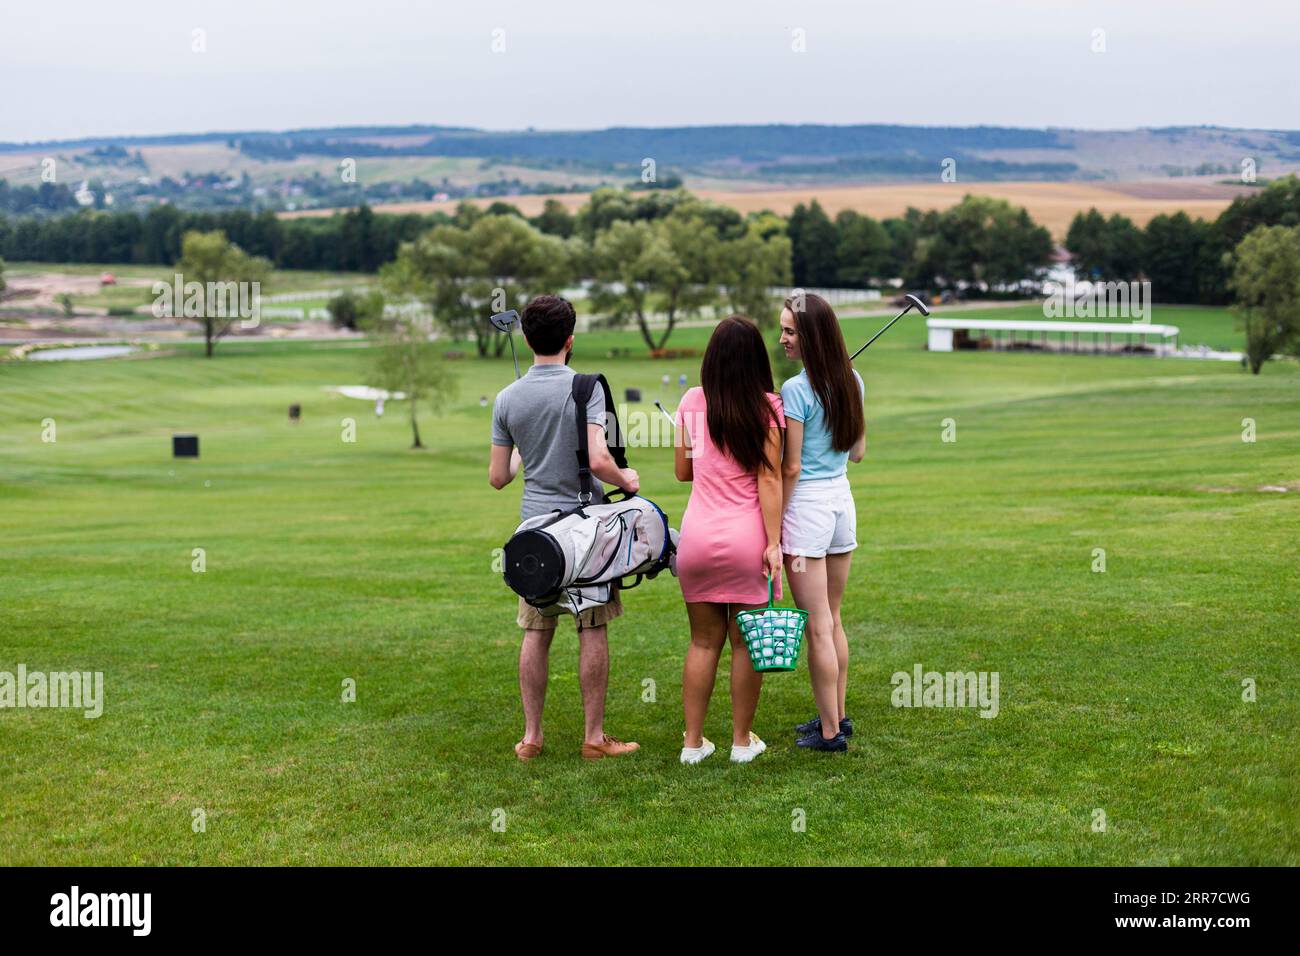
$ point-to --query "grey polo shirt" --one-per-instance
(535, 415)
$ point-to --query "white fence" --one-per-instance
(833, 296)
(286, 312)
(312, 296)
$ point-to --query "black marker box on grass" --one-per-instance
(185, 446)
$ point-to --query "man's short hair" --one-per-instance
(548, 322)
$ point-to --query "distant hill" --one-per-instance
(304, 169)
(775, 153)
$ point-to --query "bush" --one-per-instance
(349, 310)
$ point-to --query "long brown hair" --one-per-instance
(737, 375)
(826, 360)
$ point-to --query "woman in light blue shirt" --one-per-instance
(825, 429)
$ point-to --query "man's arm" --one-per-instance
(602, 464)
(503, 465)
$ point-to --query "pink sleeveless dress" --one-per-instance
(720, 554)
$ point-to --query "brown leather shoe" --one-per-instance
(608, 747)
(527, 752)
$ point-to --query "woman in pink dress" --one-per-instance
(729, 439)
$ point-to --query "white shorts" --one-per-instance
(821, 519)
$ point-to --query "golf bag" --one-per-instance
(571, 560)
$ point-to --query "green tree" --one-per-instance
(1266, 280)
(814, 241)
(985, 241)
(352, 310)
(670, 266)
(554, 220)
(1277, 204)
(862, 253)
(1124, 241)
(466, 275)
(467, 213)
(1105, 249)
(1174, 247)
(500, 207)
(608, 206)
(218, 266)
(903, 233)
(750, 265)
(403, 359)
(1086, 240)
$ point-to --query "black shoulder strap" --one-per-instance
(583, 386)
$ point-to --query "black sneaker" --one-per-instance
(814, 726)
(816, 741)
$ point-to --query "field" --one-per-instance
(1120, 691)
(182, 160)
(44, 283)
(1052, 205)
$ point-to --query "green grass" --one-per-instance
(121, 270)
(326, 560)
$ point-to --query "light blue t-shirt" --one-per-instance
(819, 458)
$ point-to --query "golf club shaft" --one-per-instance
(661, 408)
(514, 355)
(881, 332)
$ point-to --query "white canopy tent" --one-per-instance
(946, 334)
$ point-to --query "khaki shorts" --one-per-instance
(532, 619)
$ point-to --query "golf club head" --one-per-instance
(506, 321)
(925, 309)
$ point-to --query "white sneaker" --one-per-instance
(746, 754)
(692, 755)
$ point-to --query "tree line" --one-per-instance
(1186, 260)
(654, 257)
(978, 241)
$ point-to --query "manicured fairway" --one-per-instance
(1119, 691)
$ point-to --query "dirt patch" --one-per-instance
(41, 290)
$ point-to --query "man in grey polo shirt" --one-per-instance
(533, 424)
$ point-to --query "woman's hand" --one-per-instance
(772, 560)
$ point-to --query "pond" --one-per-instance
(81, 353)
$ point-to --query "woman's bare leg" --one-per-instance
(837, 579)
(708, 634)
(746, 683)
(808, 585)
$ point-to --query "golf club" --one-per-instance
(912, 302)
(659, 405)
(507, 322)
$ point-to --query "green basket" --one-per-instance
(773, 635)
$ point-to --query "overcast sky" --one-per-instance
(90, 67)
